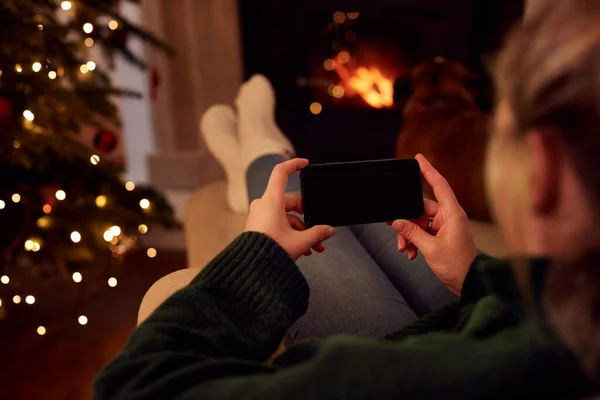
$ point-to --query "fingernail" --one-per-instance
(330, 232)
(400, 225)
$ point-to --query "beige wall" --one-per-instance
(206, 70)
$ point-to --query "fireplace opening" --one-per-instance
(333, 63)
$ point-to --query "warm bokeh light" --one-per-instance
(352, 15)
(343, 57)
(83, 69)
(337, 92)
(89, 42)
(76, 237)
(60, 195)
(112, 282)
(115, 230)
(52, 75)
(16, 299)
(2, 204)
(28, 115)
(108, 236)
(339, 17)
(91, 65)
(30, 299)
(28, 245)
(316, 108)
(41, 330)
(66, 5)
(16, 198)
(329, 64)
(18, 68)
(44, 222)
(82, 319)
(88, 28)
(36, 66)
(151, 252)
(95, 159)
(47, 208)
(130, 186)
(36, 247)
(145, 204)
(143, 229)
(101, 201)
(112, 25)
(77, 277)
(5, 279)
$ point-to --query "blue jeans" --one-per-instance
(360, 285)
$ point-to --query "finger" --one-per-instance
(296, 223)
(411, 252)
(307, 253)
(319, 247)
(414, 234)
(279, 176)
(431, 208)
(402, 244)
(442, 190)
(293, 202)
(317, 234)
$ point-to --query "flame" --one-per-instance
(369, 83)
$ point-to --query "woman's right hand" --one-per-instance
(448, 247)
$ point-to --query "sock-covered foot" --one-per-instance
(257, 130)
(218, 127)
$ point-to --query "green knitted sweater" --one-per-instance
(211, 340)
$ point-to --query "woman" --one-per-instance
(526, 328)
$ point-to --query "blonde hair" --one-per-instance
(549, 74)
(549, 71)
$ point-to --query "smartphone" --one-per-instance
(361, 192)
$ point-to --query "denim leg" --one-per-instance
(414, 279)
(349, 294)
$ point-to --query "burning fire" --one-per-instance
(369, 83)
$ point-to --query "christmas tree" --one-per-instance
(62, 206)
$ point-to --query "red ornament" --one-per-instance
(6, 111)
(105, 140)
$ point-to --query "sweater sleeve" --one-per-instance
(474, 286)
(238, 307)
(210, 340)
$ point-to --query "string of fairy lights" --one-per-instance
(113, 235)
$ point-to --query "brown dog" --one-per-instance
(442, 122)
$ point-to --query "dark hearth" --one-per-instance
(333, 63)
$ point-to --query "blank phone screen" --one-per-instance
(352, 193)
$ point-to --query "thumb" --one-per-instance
(413, 233)
(317, 234)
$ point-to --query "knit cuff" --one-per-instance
(255, 275)
(474, 287)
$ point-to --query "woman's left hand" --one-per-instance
(268, 215)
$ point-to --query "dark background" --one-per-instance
(288, 40)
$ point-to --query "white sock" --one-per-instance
(257, 130)
(218, 127)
